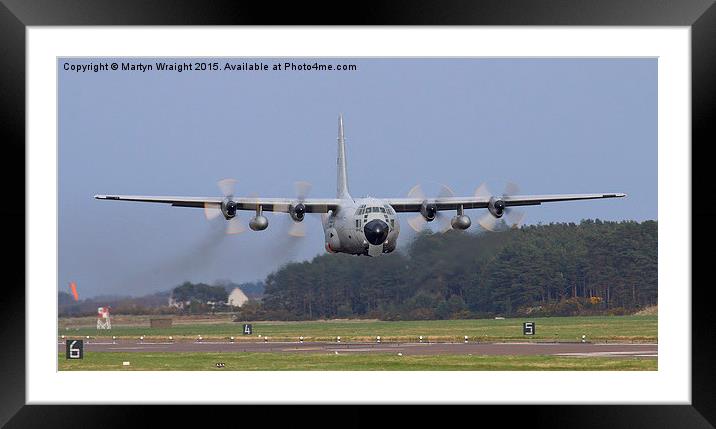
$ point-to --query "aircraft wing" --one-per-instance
(313, 205)
(453, 203)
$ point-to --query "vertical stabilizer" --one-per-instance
(342, 188)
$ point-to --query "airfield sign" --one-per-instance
(74, 349)
(248, 329)
(528, 328)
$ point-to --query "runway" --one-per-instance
(557, 349)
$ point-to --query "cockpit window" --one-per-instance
(388, 209)
(382, 210)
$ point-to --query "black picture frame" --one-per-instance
(16, 15)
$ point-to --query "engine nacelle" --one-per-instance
(228, 209)
(496, 207)
(297, 212)
(461, 222)
(428, 211)
(258, 223)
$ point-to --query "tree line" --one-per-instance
(594, 267)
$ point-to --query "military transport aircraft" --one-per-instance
(363, 226)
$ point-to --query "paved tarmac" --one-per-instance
(470, 348)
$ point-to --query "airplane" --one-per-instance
(363, 226)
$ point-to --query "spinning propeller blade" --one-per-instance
(227, 187)
(418, 222)
(297, 230)
(302, 190)
(213, 211)
(234, 226)
(513, 218)
(290, 227)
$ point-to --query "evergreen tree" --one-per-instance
(562, 268)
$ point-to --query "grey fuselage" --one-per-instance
(362, 226)
(357, 223)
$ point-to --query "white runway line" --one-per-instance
(356, 350)
(136, 348)
(627, 344)
(244, 342)
(616, 353)
(303, 349)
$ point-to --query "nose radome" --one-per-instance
(376, 231)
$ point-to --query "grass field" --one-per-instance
(598, 329)
(345, 362)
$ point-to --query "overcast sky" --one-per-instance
(550, 125)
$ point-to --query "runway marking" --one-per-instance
(420, 344)
(134, 348)
(614, 350)
(628, 352)
(357, 350)
(303, 349)
(614, 353)
(627, 344)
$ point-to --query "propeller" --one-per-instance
(227, 186)
(302, 189)
(513, 218)
(213, 211)
(418, 221)
(297, 230)
(292, 228)
(234, 226)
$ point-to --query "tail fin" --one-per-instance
(342, 188)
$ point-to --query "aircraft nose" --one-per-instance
(376, 231)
